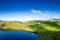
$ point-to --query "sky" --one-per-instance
(25, 10)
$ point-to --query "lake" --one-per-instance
(17, 36)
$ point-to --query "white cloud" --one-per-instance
(40, 13)
(35, 11)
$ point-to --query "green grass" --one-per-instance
(14, 26)
(48, 30)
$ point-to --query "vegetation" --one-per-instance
(14, 26)
(47, 29)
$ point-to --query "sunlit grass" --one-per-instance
(16, 26)
(50, 28)
(47, 29)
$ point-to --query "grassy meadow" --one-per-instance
(47, 29)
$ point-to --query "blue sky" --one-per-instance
(24, 10)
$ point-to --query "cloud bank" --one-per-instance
(40, 13)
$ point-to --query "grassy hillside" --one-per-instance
(14, 26)
(48, 30)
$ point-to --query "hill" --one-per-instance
(14, 26)
(47, 29)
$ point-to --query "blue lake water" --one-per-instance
(17, 36)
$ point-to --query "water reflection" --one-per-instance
(17, 36)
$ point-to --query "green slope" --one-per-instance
(14, 26)
(47, 29)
